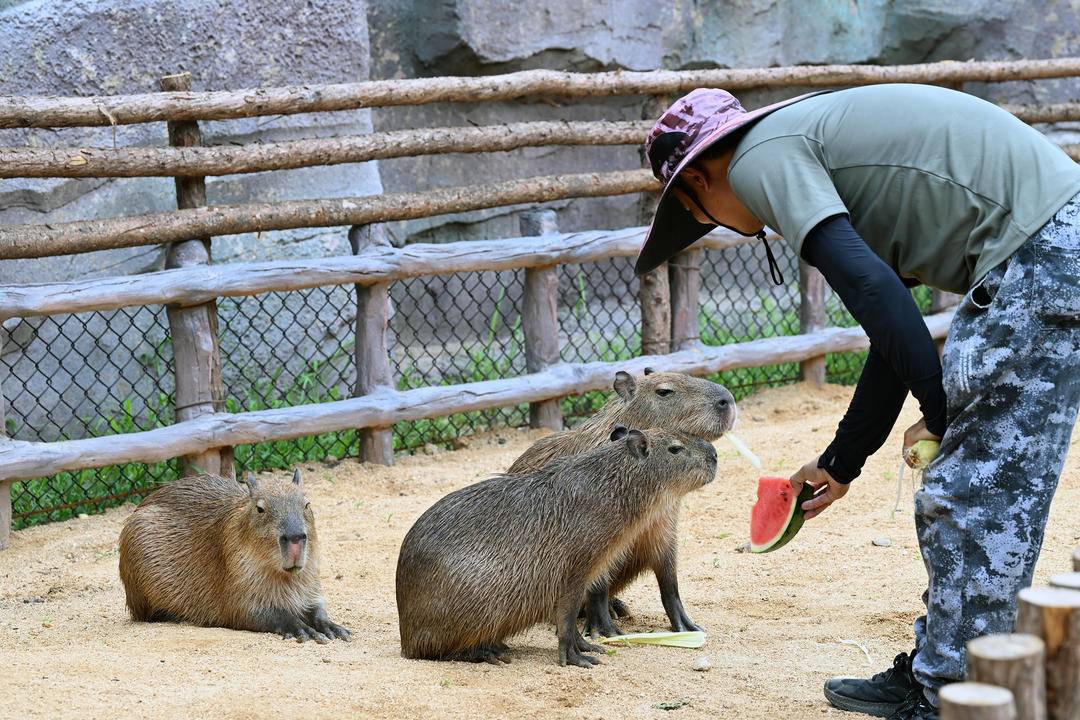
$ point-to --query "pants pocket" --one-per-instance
(1057, 284)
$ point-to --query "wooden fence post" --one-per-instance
(684, 279)
(1016, 663)
(654, 294)
(194, 330)
(1053, 614)
(372, 354)
(540, 319)
(976, 701)
(812, 317)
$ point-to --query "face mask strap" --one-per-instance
(774, 267)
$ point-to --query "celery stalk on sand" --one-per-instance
(744, 451)
(693, 639)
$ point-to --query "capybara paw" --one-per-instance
(618, 608)
(301, 632)
(683, 623)
(569, 655)
(602, 628)
(490, 654)
(583, 645)
(331, 629)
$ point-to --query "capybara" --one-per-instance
(492, 559)
(672, 401)
(224, 553)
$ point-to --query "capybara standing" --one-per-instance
(491, 559)
(672, 401)
(222, 553)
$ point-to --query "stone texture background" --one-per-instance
(90, 47)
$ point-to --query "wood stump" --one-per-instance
(1016, 663)
(1053, 614)
(1066, 581)
(976, 701)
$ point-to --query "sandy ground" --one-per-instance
(778, 624)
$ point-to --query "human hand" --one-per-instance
(914, 434)
(810, 474)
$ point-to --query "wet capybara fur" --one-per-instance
(494, 558)
(672, 401)
(225, 553)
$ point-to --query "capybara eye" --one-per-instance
(675, 449)
(259, 507)
(307, 505)
(664, 392)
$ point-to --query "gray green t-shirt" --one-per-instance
(941, 185)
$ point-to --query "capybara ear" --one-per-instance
(296, 476)
(638, 443)
(649, 371)
(625, 385)
(252, 485)
(619, 432)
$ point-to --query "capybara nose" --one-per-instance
(712, 454)
(293, 551)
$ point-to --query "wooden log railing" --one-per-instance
(86, 162)
(55, 112)
(377, 263)
(23, 460)
(377, 405)
(34, 241)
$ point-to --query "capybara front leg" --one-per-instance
(571, 645)
(667, 578)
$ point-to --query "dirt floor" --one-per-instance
(779, 624)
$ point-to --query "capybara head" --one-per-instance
(279, 522)
(683, 462)
(676, 402)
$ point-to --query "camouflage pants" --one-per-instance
(1012, 378)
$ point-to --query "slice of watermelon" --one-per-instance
(778, 515)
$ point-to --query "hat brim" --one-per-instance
(674, 228)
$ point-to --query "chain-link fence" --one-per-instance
(100, 373)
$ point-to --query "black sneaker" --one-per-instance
(880, 696)
(916, 707)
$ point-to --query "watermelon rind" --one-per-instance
(794, 523)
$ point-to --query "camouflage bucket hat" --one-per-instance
(696, 122)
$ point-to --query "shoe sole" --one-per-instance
(843, 702)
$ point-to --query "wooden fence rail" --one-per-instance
(79, 162)
(58, 112)
(21, 460)
(377, 263)
(76, 162)
(35, 241)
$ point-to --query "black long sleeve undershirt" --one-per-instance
(902, 357)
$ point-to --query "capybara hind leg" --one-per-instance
(322, 623)
(492, 654)
(598, 615)
(572, 646)
(619, 608)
